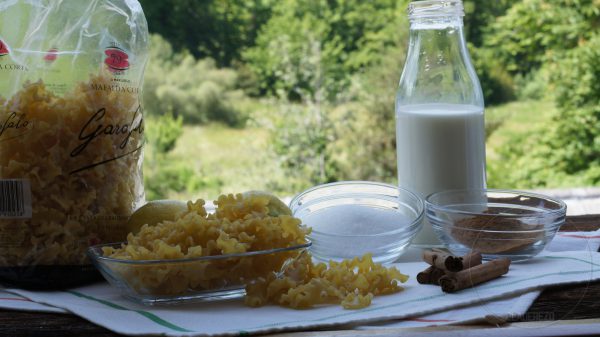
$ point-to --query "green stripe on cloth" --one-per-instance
(146, 314)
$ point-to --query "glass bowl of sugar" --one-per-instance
(353, 218)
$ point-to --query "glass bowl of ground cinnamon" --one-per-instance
(498, 223)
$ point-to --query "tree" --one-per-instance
(535, 32)
(195, 89)
(351, 34)
(479, 14)
(565, 151)
(219, 29)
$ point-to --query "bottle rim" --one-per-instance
(435, 8)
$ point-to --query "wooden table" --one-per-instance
(577, 302)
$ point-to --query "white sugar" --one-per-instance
(350, 220)
(356, 220)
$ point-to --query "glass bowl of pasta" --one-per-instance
(201, 255)
(203, 278)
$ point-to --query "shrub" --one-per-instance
(164, 173)
(195, 89)
(565, 151)
(208, 28)
(348, 35)
(169, 176)
(496, 83)
(162, 132)
(534, 32)
(534, 85)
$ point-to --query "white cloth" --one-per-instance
(511, 308)
(417, 305)
(16, 302)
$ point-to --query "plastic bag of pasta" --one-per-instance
(71, 134)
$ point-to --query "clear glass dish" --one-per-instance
(205, 278)
(497, 223)
(352, 218)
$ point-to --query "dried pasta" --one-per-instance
(352, 283)
(79, 194)
(240, 224)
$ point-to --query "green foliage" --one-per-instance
(302, 132)
(366, 146)
(163, 172)
(195, 89)
(534, 85)
(576, 81)
(553, 47)
(479, 14)
(534, 35)
(537, 31)
(346, 36)
(314, 55)
(577, 127)
(496, 83)
(164, 132)
(566, 151)
(217, 29)
(300, 138)
(319, 138)
(168, 177)
(330, 70)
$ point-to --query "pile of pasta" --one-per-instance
(72, 207)
(240, 224)
(352, 283)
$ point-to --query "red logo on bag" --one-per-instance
(116, 59)
(3, 49)
(51, 55)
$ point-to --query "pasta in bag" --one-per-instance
(71, 134)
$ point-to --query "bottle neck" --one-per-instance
(438, 13)
(438, 68)
(437, 34)
(436, 22)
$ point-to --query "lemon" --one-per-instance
(276, 206)
(154, 212)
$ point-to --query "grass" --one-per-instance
(516, 118)
(239, 159)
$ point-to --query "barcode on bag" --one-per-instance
(15, 199)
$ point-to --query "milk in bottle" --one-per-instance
(440, 133)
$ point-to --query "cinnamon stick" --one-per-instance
(475, 275)
(442, 260)
(471, 260)
(430, 275)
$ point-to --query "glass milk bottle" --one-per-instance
(440, 132)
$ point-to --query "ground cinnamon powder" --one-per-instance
(494, 234)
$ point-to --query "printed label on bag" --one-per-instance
(3, 49)
(4, 52)
(116, 59)
(14, 125)
(51, 55)
(15, 199)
